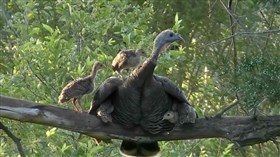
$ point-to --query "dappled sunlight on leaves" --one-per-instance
(46, 44)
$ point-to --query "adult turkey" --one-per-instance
(143, 99)
(77, 88)
(126, 59)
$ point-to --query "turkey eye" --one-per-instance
(171, 34)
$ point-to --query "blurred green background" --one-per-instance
(46, 44)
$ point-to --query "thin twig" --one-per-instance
(14, 138)
(41, 79)
(263, 16)
(269, 25)
(233, 26)
(33, 92)
(255, 109)
(210, 8)
(275, 31)
(239, 148)
(244, 110)
(33, 72)
(42, 76)
(234, 103)
(28, 88)
(242, 26)
(4, 8)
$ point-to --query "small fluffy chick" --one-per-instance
(171, 116)
(104, 111)
(77, 88)
(127, 59)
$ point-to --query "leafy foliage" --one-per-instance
(45, 44)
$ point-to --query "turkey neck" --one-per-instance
(93, 74)
(154, 56)
(145, 72)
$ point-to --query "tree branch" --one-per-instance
(233, 27)
(234, 103)
(244, 34)
(242, 130)
(236, 20)
(14, 138)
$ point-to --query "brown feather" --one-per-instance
(77, 88)
(126, 59)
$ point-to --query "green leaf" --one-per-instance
(48, 28)
(35, 30)
(95, 149)
(65, 147)
(176, 18)
(51, 132)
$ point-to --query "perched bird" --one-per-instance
(77, 88)
(171, 116)
(127, 59)
(143, 99)
(104, 112)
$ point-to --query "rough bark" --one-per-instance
(242, 130)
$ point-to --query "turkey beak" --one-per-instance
(181, 39)
(164, 117)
